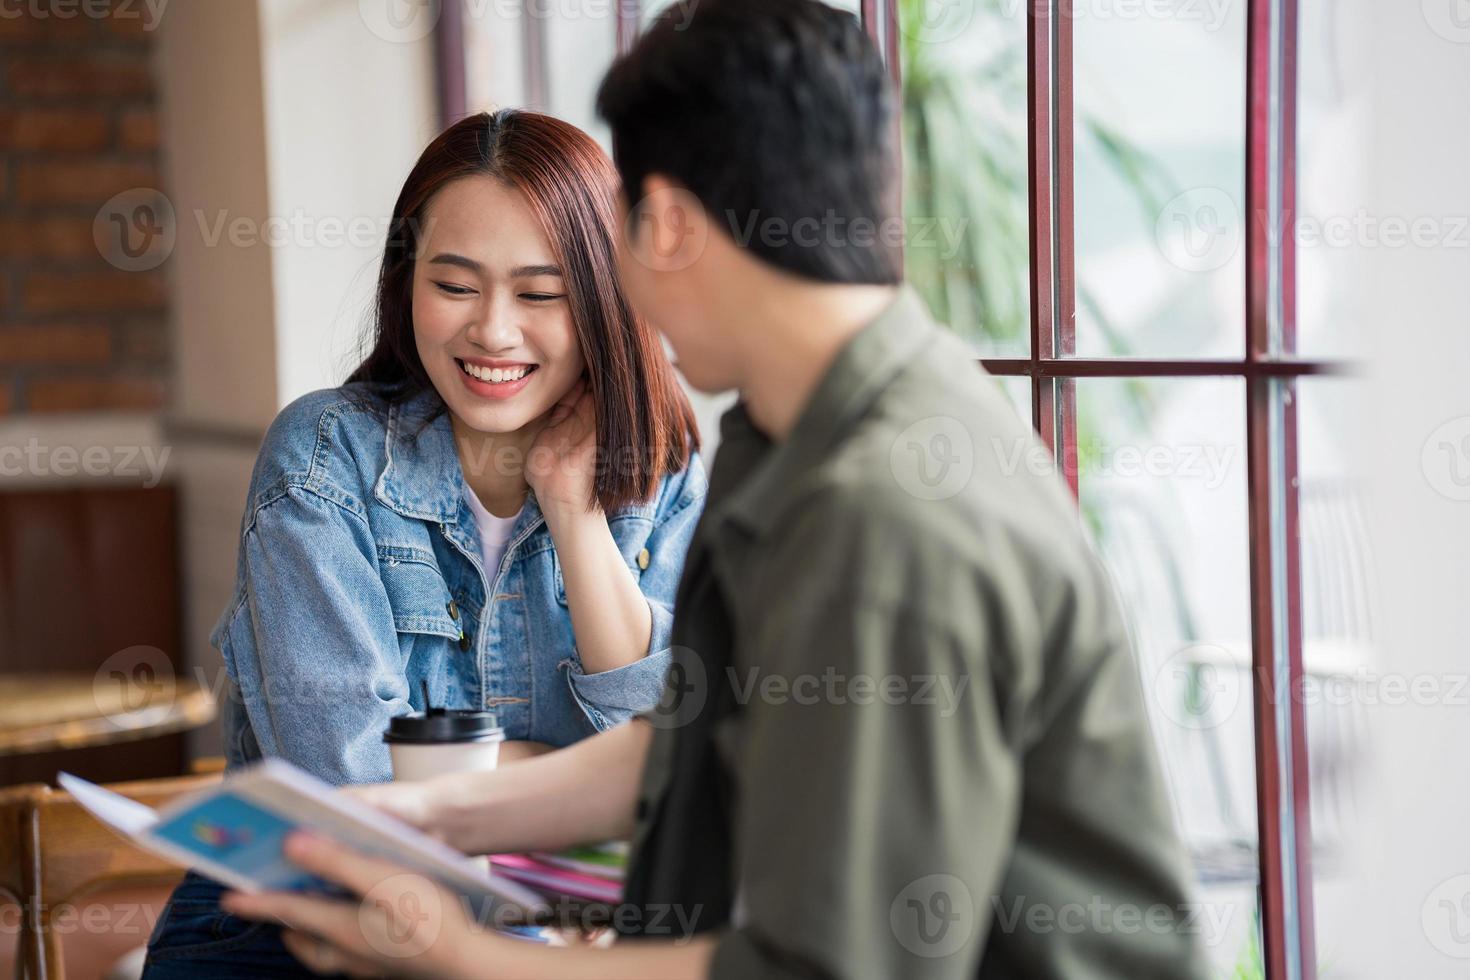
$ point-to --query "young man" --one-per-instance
(904, 735)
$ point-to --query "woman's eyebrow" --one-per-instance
(449, 258)
(520, 272)
(527, 271)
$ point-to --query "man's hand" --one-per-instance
(398, 922)
(412, 802)
(419, 803)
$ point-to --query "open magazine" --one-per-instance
(234, 832)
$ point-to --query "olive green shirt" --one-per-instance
(903, 735)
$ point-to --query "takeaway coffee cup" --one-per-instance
(439, 740)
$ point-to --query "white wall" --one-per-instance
(1414, 916)
(347, 113)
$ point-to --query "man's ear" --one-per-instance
(667, 227)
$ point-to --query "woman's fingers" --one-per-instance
(568, 402)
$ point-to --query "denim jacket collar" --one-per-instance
(422, 477)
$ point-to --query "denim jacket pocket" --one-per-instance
(417, 593)
(631, 534)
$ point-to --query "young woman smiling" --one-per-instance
(495, 508)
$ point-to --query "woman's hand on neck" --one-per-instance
(562, 462)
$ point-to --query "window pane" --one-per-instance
(652, 8)
(494, 59)
(964, 115)
(580, 43)
(1018, 392)
(1159, 104)
(1333, 150)
(1337, 627)
(1162, 488)
(579, 51)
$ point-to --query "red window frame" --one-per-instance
(1270, 369)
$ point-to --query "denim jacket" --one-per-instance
(359, 577)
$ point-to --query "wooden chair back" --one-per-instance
(67, 860)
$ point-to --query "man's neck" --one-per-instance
(796, 332)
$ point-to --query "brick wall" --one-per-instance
(80, 328)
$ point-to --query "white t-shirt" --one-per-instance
(494, 534)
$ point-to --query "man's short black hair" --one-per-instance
(778, 116)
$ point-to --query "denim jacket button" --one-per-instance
(464, 641)
(453, 610)
(643, 559)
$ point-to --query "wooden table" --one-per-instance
(45, 712)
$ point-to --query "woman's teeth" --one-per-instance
(495, 375)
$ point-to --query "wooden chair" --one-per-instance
(67, 862)
(13, 906)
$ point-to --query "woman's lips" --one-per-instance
(495, 390)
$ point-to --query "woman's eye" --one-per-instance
(453, 290)
(541, 297)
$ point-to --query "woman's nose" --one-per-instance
(495, 327)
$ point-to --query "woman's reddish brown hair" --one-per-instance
(645, 426)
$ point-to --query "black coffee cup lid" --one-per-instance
(444, 725)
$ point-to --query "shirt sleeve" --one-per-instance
(611, 697)
(320, 672)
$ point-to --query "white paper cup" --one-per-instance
(428, 744)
